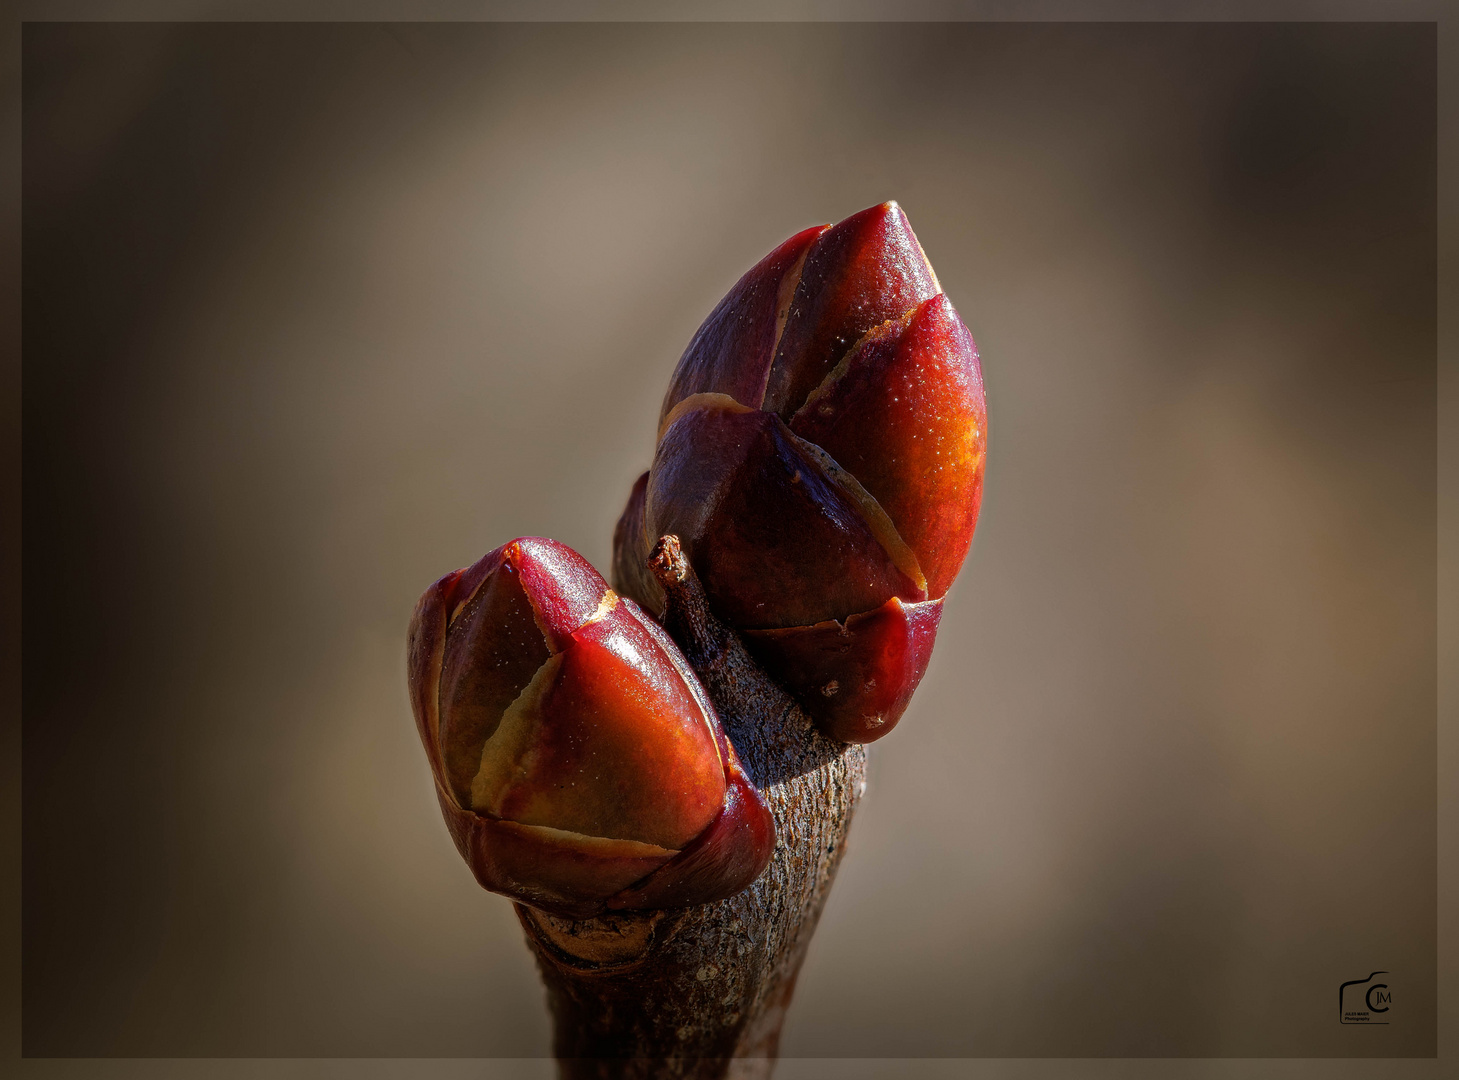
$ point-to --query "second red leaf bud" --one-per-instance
(578, 763)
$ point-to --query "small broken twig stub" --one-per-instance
(702, 991)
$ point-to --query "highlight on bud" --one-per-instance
(820, 456)
(578, 762)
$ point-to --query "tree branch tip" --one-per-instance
(667, 561)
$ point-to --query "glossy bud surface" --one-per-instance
(578, 763)
(820, 456)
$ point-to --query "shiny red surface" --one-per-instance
(859, 273)
(854, 679)
(564, 587)
(906, 417)
(724, 859)
(775, 541)
(620, 749)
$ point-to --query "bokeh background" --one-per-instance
(313, 314)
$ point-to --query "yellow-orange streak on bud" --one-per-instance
(876, 518)
(605, 845)
(606, 605)
(700, 401)
(786, 296)
(504, 757)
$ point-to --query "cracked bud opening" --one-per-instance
(578, 762)
(820, 456)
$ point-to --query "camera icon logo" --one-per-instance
(1365, 1001)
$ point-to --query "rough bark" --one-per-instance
(702, 991)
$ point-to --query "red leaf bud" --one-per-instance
(578, 762)
(820, 457)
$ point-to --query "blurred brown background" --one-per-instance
(313, 314)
